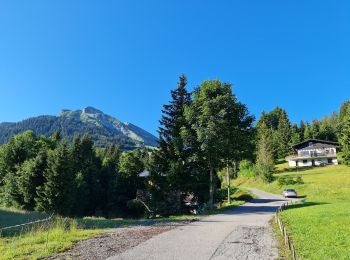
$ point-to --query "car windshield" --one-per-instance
(291, 190)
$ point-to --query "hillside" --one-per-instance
(104, 129)
(320, 227)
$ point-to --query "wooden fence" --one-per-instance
(285, 235)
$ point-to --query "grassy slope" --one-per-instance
(320, 228)
(61, 234)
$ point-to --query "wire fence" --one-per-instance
(24, 226)
(285, 235)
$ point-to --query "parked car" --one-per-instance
(290, 193)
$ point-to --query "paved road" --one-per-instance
(241, 233)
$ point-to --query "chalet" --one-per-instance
(313, 153)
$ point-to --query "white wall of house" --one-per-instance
(335, 161)
(308, 162)
(292, 163)
(304, 163)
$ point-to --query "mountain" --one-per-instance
(104, 129)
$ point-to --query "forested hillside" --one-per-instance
(103, 129)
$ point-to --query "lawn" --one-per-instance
(60, 234)
(320, 227)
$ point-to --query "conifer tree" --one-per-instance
(86, 168)
(56, 193)
(284, 135)
(264, 161)
(171, 160)
(345, 137)
(307, 132)
(109, 179)
(294, 135)
(30, 177)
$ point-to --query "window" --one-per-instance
(304, 161)
(330, 160)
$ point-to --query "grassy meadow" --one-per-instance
(319, 227)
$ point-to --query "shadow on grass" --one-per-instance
(305, 204)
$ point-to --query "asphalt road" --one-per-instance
(241, 233)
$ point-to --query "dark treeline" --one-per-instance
(48, 174)
(283, 135)
(205, 138)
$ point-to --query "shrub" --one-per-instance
(247, 169)
(290, 180)
(136, 208)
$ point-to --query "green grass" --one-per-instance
(44, 240)
(10, 217)
(320, 227)
(60, 234)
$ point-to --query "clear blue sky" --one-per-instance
(124, 57)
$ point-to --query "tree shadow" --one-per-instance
(304, 204)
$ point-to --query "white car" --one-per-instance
(290, 193)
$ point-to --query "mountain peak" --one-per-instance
(103, 129)
(91, 110)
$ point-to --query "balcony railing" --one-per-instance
(313, 155)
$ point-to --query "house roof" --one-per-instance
(315, 144)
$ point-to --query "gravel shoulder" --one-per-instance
(241, 233)
(117, 241)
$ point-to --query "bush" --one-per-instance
(221, 195)
(290, 180)
(247, 169)
(136, 208)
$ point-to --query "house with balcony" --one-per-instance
(313, 153)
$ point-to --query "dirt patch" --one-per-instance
(118, 241)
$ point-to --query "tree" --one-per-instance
(345, 136)
(56, 193)
(86, 169)
(315, 129)
(207, 114)
(302, 130)
(109, 180)
(294, 135)
(172, 158)
(30, 177)
(130, 165)
(238, 135)
(271, 119)
(264, 161)
(307, 132)
(12, 154)
(283, 135)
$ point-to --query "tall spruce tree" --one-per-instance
(284, 135)
(86, 169)
(294, 135)
(171, 159)
(108, 181)
(307, 132)
(56, 193)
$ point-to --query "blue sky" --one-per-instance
(124, 57)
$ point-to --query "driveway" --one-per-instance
(241, 233)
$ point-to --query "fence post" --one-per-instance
(287, 241)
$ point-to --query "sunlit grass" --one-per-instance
(44, 240)
(320, 228)
(59, 234)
